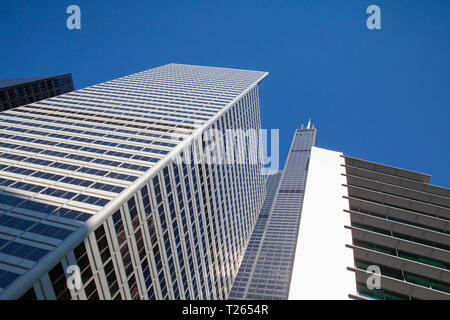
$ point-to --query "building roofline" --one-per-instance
(28, 80)
(407, 174)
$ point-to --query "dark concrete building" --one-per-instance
(19, 92)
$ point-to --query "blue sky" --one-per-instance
(380, 95)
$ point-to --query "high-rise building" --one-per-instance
(246, 274)
(365, 231)
(19, 92)
(265, 272)
(114, 181)
(371, 231)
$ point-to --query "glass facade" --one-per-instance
(245, 270)
(176, 229)
(266, 270)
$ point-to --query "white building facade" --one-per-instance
(115, 179)
(371, 231)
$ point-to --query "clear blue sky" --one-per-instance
(380, 95)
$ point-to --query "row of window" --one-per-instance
(41, 207)
(402, 254)
(87, 148)
(84, 140)
(36, 88)
(58, 193)
(390, 201)
(22, 250)
(34, 227)
(420, 225)
(58, 177)
(406, 276)
(93, 110)
(402, 236)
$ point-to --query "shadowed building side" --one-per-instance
(19, 92)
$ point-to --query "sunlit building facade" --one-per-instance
(112, 181)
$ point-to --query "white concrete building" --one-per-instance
(358, 215)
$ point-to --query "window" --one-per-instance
(29, 295)
(59, 283)
(108, 266)
(7, 277)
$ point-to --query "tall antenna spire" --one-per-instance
(309, 124)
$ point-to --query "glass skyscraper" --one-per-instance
(266, 270)
(112, 179)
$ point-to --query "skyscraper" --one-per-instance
(111, 180)
(19, 92)
(245, 274)
(266, 269)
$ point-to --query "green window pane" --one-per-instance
(394, 296)
(391, 272)
(385, 250)
(409, 256)
(375, 293)
(363, 244)
(432, 262)
(361, 265)
(397, 220)
(440, 286)
(416, 279)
